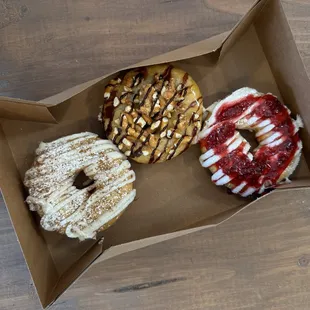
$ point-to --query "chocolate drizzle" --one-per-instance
(167, 73)
(161, 154)
(108, 112)
(185, 78)
(119, 131)
(175, 148)
(170, 101)
(136, 79)
(139, 150)
(151, 161)
(124, 95)
(176, 124)
(147, 94)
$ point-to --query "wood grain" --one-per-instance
(48, 46)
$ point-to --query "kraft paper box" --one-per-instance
(173, 198)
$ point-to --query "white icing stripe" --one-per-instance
(298, 123)
(271, 138)
(224, 180)
(276, 143)
(264, 123)
(217, 175)
(251, 121)
(246, 148)
(211, 161)
(235, 145)
(206, 155)
(62, 204)
(238, 188)
(89, 231)
(262, 189)
(52, 145)
(249, 191)
(265, 130)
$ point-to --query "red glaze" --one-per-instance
(219, 135)
(234, 109)
(269, 162)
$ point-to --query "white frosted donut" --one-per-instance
(227, 154)
(79, 213)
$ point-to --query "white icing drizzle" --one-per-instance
(79, 213)
(266, 134)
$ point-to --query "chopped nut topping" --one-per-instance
(116, 102)
(163, 134)
(127, 142)
(155, 125)
(137, 81)
(170, 107)
(196, 116)
(106, 95)
(141, 122)
(128, 109)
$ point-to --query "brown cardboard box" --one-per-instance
(173, 198)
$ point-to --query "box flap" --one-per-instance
(73, 273)
(285, 62)
(269, 207)
(33, 246)
(242, 26)
(11, 108)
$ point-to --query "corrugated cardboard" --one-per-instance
(173, 198)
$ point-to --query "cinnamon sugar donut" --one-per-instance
(227, 154)
(153, 113)
(79, 213)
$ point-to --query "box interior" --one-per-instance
(171, 196)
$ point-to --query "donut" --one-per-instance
(227, 153)
(79, 213)
(152, 113)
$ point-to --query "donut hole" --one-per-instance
(82, 180)
(250, 137)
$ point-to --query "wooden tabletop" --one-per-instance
(48, 46)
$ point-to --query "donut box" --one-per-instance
(176, 197)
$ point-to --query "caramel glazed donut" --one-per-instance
(226, 153)
(79, 213)
(153, 113)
